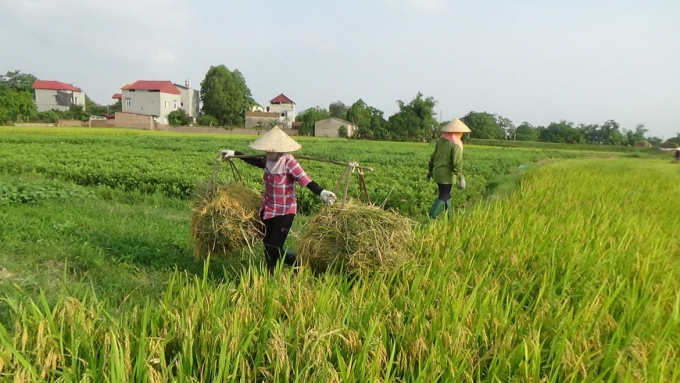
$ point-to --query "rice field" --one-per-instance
(573, 276)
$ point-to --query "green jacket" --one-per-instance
(446, 163)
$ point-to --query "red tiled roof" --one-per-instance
(54, 85)
(281, 99)
(161, 86)
(117, 96)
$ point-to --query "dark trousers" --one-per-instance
(275, 233)
(444, 192)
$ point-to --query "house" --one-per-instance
(188, 99)
(158, 99)
(56, 95)
(285, 107)
(117, 96)
(330, 127)
(261, 119)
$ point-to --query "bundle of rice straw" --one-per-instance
(224, 217)
(356, 238)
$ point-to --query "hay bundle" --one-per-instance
(356, 238)
(224, 218)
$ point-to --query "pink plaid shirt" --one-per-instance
(279, 190)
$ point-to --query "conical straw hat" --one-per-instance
(276, 141)
(456, 126)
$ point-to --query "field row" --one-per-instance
(172, 164)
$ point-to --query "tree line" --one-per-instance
(225, 97)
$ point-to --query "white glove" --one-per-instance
(227, 153)
(328, 197)
(462, 183)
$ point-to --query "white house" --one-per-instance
(285, 107)
(157, 98)
(188, 99)
(56, 95)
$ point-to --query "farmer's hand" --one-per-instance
(328, 197)
(429, 176)
(462, 183)
(227, 153)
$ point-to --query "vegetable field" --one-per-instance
(574, 276)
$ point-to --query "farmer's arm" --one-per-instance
(295, 170)
(254, 161)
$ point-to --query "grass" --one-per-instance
(573, 277)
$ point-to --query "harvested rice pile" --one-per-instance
(358, 238)
(224, 217)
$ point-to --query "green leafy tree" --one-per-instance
(76, 112)
(225, 95)
(338, 110)
(116, 107)
(342, 131)
(483, 125)
(309, 117)
(20, 82)
(179, 117)
(561, 132)
(506, 125)
(206, 120)
(526, 132)
(636, 136)
(415, 120)
(93, 108)
(17, 106)
(610, 133)
(675, 139)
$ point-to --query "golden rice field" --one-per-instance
(573, 277)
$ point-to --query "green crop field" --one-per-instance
(568, 270)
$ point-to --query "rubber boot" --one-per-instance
(436, 208)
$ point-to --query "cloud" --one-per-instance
(426, 5)
(144, 32)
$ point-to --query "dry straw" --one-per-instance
(224, 217)
(356, 238)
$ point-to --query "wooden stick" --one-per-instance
(304, 158)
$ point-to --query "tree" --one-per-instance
(635, 136)
(338, 110)
(342, 131)
(308, 118)
(506, 125)
(16, 105)
(561, 132)
(93, 108)
(116, 107)
(179, 117)
(483, 125)
(610, 133)
(655, 141)
(369, 121)
(675, 139)
(76, 112)
(415, 120)
(526, 132)
(225, 95)
(20, 82)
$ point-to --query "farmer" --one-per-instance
(446, 164)
(278, 208)
(677, 155)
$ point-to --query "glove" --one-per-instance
(227, 153)
(462, 183)
(328, 197)
(429, 176)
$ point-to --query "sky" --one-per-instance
(527, 60)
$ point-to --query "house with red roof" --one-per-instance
(50, 94)
(158, 99)
(285, 107)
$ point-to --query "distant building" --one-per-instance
(285, 107)
(257, 108)
(330, 127)
(189, 99)
(158, 99)
(56, 95)
(261, 119)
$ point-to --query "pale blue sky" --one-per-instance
(536, 61)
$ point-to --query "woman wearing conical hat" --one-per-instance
(278, 209)
(446, 164)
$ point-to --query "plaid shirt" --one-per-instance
(279, 190)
